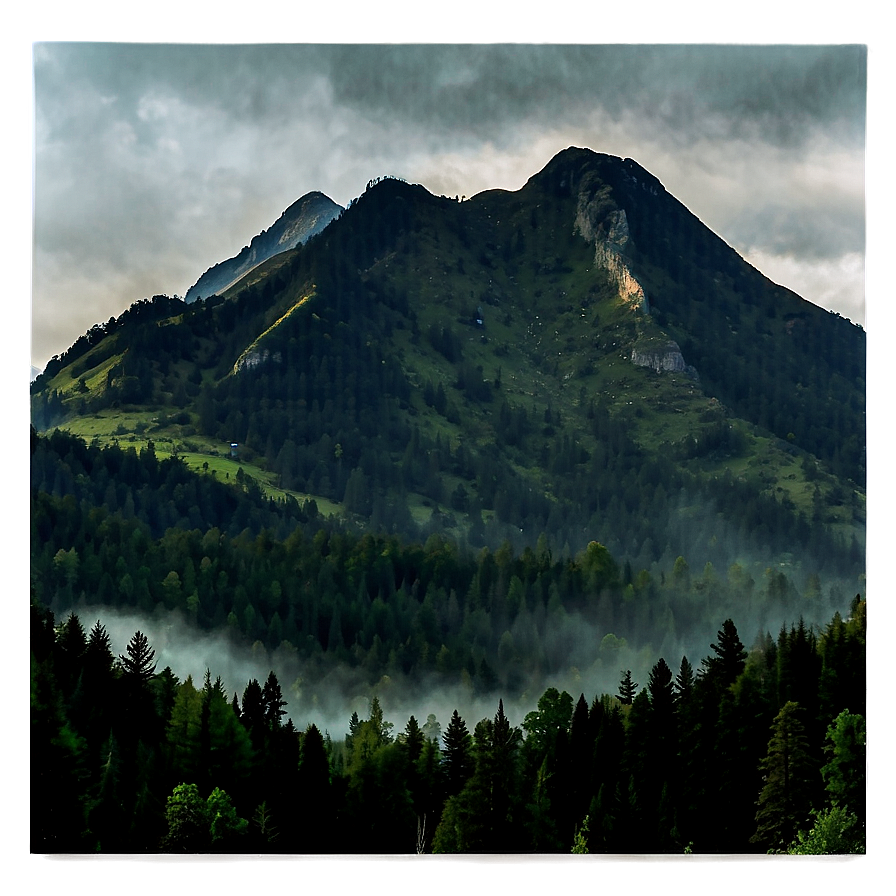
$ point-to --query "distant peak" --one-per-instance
(315, 197)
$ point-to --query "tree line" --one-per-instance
(758, 750)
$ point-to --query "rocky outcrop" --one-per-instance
(601, 223)
(255, 358)
(662, 357)
(611, 259)
(256, 354)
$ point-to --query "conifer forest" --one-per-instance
(753, 746)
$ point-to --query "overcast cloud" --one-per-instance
(154, 162)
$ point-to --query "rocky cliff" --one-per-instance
(604, 225)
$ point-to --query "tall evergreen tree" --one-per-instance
(457, 753)
(581, 751)
(684, 682)
(71, 644)
(788, 771)
(139, 663)
(272, 699)
(662, 770)
(627, 688)
(183, 733)
(413, 739)
(105, 816)
(730, 656)
(315, 828)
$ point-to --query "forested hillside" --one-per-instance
(426, 361)
(112, 527)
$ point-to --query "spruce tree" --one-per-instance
(314, 830)
(730, 656)
(138, 665)
(413, 739)
(627, 688)
(581, 751)
(457, 752)
(272, 699)
(684, 682)
(788, 771)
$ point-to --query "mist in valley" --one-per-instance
(585, 658)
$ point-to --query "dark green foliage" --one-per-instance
(457, 755)
(681, 767)
(138, 665)
(57, 770)
(316, 830)
(844, 771)
(226, 828)
(374, 601)
(785, 799)
(730, 657)
(486, 816)
(627, 688)
(842, 675)
(272, 701)
(187, 816)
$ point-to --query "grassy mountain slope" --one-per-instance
(471, 367)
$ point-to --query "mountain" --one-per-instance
(302, 220)
(579, 360)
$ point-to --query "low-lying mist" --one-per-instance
(327, 694)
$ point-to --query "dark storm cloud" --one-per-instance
(693, 92)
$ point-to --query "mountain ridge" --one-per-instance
(521, 341)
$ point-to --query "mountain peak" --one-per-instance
(306, 217)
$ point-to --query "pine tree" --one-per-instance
(457, 752)
(581, 751)
(788, 772)
(627, 688)
(252, 716)
(138, 664)
(662, 769)
(183, 732)
(272, 699)
(684, 682)
(730, 656)
(316, 834)
(71, 644)
(413, 738)
(138, 717)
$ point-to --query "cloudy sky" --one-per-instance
(153, 162)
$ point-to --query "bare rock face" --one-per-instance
(604, 225)
(610, 258)
(255, 358)
(659, 358)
